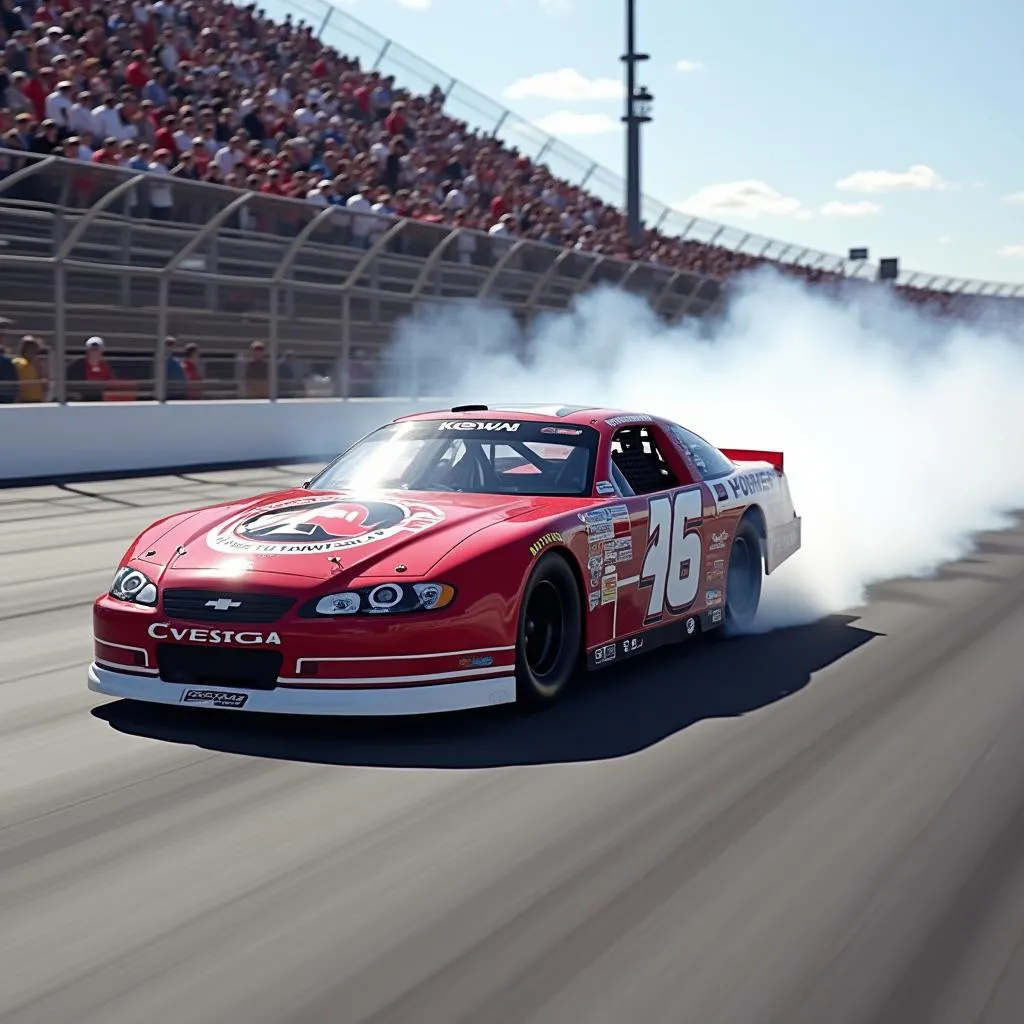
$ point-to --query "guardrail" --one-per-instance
(84, 251)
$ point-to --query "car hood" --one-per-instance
(317, 535)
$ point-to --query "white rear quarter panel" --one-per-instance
(758, 483)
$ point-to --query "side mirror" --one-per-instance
(306, 483)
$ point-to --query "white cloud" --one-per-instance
(1012, 252)
(862, 208)
(742, 199)
(918, 178)
(689, 67)
(1016, 198)
(566, 85)
(568, 122)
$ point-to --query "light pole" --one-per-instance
(638, 112)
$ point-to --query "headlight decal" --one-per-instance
(383, 599)
(133, 587)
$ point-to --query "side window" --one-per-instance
(708, 460)
(636, 456)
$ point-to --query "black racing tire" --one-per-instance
(549, 635)
(744, 579)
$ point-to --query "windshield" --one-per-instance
(469, 456)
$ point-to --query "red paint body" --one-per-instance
(480, 544)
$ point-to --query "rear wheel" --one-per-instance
(743, 583)
(550, 633)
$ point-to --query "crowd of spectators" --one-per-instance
(207, 90)
(92, 376)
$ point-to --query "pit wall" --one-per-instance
(54, 443)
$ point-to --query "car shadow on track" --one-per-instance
(615, 712)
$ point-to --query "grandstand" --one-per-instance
(253, 188)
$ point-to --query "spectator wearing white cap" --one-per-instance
(88, 375)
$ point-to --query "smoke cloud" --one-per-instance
(903, 433)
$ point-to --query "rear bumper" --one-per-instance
(294, 700)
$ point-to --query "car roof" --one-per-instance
(582, 415)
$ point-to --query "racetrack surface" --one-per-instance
(824, 825)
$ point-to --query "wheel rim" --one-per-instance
(741, 563)
(543, 629)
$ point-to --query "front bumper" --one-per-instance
(295, 700)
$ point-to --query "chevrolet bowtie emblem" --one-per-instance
(222, 604)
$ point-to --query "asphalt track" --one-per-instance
(820, 826)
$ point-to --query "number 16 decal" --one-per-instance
(672, 564)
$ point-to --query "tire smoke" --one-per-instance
(903, 433)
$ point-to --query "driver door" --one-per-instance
(671, 517)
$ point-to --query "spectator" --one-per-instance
(89, 375)
(176, 376)
(161, 198)
(256, 373)
(8, 372)
(31, 374)
(191, 364)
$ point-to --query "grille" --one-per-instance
(193, 605)
(202, 666)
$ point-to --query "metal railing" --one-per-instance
(83, 252)
(89, 250)
(352, 37)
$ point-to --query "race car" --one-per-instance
(448, 560)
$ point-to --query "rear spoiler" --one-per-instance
(752, 455)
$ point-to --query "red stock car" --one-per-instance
(448, 560)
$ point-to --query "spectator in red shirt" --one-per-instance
(193, 371)
(108, 154)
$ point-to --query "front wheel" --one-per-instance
(743, 583)
(550, 633)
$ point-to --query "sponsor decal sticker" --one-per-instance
(609, 585)
(713, 598)
(756, 482)
(481, 661)
(545, 542)
(633, 417)
(601, 531)
(594, 598)
(165, 631)
(603, 654)
(605, 487)
(716, 615)
(215, 698)
(632, 645)
(594, 564)
(716, 570)
(314, 525)
(620, 550)
(489, 426)
(721, 493)
(605, 514)
(718, 540)
(691, 625)
(562, 431)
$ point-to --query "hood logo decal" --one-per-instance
(303, 526)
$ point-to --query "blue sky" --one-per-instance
(895, 126)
